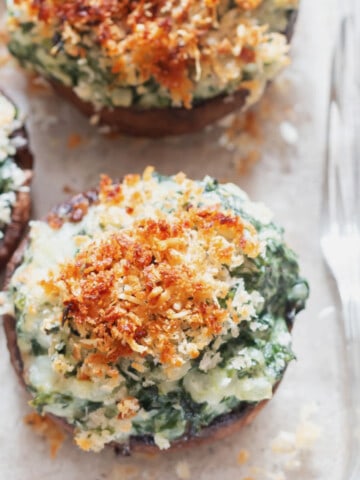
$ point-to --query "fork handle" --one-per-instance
(351, 314)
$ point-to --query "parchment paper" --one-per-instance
(279, 163)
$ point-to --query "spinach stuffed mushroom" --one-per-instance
(153, 313)
(15, 176)
(156, 67)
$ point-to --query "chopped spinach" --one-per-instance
(37, 349)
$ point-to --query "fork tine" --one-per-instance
(331, 202)
(356, 20)
(342, 177)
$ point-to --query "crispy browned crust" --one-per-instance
(159, 122)
(21, 210)
(220, 428)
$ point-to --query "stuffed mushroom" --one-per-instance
(15, 177)
(153, 313)
(157, 67)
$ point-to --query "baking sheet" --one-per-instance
(277, 160)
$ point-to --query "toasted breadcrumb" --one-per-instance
(307, 434)
(243, 457)
(128, 407)
(182, 470)
(245, 163)
(289, 447)
(257, 471)
(135, 275)
(74, 140)
(124, 472)
(68, 190)
(47, 428)
(4, 38)
(284, 443)
(84, 444)
(257, 130)
(94, 119)
(4, 59)
(248, 123)
(249, 4)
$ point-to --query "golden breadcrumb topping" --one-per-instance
(128, 407)
(248, 4)
(174, 42)
(152, 289)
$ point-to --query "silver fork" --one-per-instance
(340, 239)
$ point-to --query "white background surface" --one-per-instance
(288, 179)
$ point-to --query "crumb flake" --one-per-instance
(243, 457)
(182, 470)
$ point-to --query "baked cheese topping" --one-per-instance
(12, 178)
(154, 53)
(153, 307)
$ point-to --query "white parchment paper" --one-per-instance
(279, 163)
